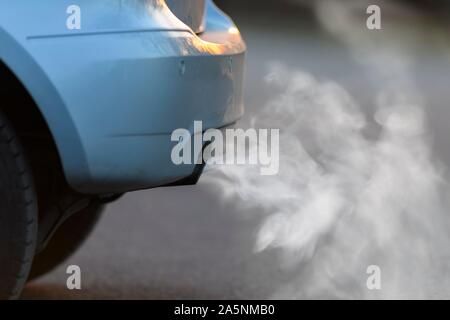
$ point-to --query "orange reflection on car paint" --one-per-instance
(210, 42)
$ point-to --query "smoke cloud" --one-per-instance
(346, 198)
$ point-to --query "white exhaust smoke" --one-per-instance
(345, 199)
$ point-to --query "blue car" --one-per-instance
(91, 92)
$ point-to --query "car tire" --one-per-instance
(66, 240)
(18, 213)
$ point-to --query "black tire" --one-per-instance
(66, 240)
(18, 213)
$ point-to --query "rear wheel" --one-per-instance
(66, 240)
(18, 213)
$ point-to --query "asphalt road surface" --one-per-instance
(183, 242)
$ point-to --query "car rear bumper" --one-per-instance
(126, 100)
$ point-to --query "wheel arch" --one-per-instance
(46, 100)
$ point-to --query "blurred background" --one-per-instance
(192, 243)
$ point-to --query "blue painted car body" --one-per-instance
(113, 91)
